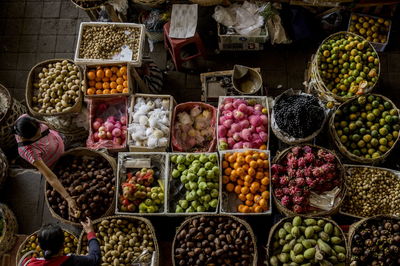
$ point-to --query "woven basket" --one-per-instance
(283, 136)
(278, 225)
(15, 110)
(317, 83)
(81, 250)
(3, 168)
(243, 222)
(89, 4)
(29, 92)
(354, 227)
(10, 228)
(149, 3)
(80, 152)
(21, 246)
(207, 2)
(339, 199)
(348, 175)
(343, 150)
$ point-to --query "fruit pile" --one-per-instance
(307, 242)
(303, 170)
(32, 244)
(2, 221)
(348, 65)
(372, 29)
(247, 175)
(140, 192)
(113, 129)
(199, 175)
(107, 80)
(367, 126)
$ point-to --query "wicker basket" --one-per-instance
(29, 92)
(339, 198)
(21, 246)
(278, 225)
(316, 84)
(89, 4)
(343, 150)
(207, 2)
(149, 3)
(156, 260)
(14, 111)
(243, 222)
(80, 152)
(354, 227)
(10, 228)
(282, 135)
(3, 168)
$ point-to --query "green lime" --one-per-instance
(363, 131)
(368, 107)
(382, 121)
(374, 133)
(352, 126)
(374, 142)
(343, 124)
(343, 139)
(385, 113)
(375, 104)
(353, 146)
(359, 123)
(346, 130)
(369, 124)
(353, 109)
(376, 155)
(367, 156)
(395, 119)
(376, 112)
(352, 116)
(381, 107)
(395, 134)
(383, 141)
(383, 131)
(364, 115)
(393, 112)
(391, 143)
(389, 119)
(370, 117)
(374, 127)
(383, 148)
(355, 137)
(371, 98)
(339, 132)
(371, 151)
(361, 143)
(361, 100)
(364, 150)
(356, 152)
(389, 137)
(388, 128)
(367, 138)
(387, 105)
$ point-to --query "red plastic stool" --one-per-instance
(174, 46)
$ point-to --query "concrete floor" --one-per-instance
(34, 31)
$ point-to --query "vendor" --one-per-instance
(51, 241)
(42, 147)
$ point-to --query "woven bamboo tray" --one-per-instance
(3, 168)
(172, 104)
(10, 228)
(348, 168)
(278, 225)
(14, 111)
(29, 92)
(171, 200)
(21, 247)
(339, 198)
(83, 152)
(263, 100)
(227, 197)
(156, 256)
(343, 150)
(354, 227)
(243, 222)
(159, 159)
(317, 83)
(282, 135)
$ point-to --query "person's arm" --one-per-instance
(52, 179)
(94, 256)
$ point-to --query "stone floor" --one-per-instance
(33, 31)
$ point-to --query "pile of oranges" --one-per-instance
(247, 174)
(107, 80)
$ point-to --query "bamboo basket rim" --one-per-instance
(149, 3)
(8, 232)
(348, 167)
(239, 220)
(285, 137)
(18, 255)
(3, 158)
(221, 190)
(10, 101)
(2, 212)
(76, 108)
(207, 2)
(133, 218)
(285, 219)
(170, 211)
(355, 226)
(343, 150)
(81, 152)
(340, 197)
(317, 79)
(89, 8)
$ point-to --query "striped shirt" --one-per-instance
(48, 148)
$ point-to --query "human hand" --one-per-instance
(88, 226)
(73, 208)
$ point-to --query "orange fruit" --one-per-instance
(260, 163)
(246, 209)
(120, 81)
(240, 208)
(98, 79)
(263, 188)
(225, 179)
(248, 152)
(240, 171)
(253, 164)
(99, 85)
(105, 79)
(92, 83)
(249, 202)
(240, 160)
(248, 159)
(226, 156)
(125, 90)
(106, 91)
(265, 181)
(228, 171)
(125, 84)
(90, 91)
(250, 196)
(248, 179)
(233, 178)
(265, 195)
(234, 173)
(119, 74)
(123, 70)
(240, 182)
(230, 187)
(114, 69)
(251, 171)
(113, 91)
(113, 85)
(225, 164)
(108, 73)
(125, 77)
(246, 167)
(259, 175)
(257, 198)
(106, 85)
(242, 197)
(247, 184)
(255, 186)
(263, 155)
(258, 209)
(91, 75)
(255, 156)
(263, 203)
(120, 88)
(238, 189)
(263, 147)
(113, 78)
(99, 92)
(245, 190)
(100, 73)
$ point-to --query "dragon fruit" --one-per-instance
(329, 167)
(326, 156)
(296, 150)
(291, 172)
(277, 168)
(309, 157)
(301, 162)
(300, 181)
(319, 162)
(286, 191)
(300, 173)
(311, 183)
(299, 200)
(295, 191)
(308, 171)
(285, 201)
(284, 180)
(298, 209)
(307, 149)
(292, 163)
(279, 193)
(275, 179)
(317, 172)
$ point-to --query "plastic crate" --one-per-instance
(236, 42)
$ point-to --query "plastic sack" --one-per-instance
(224, 16)
(276, 31)
(181, 139)
(105, 110)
